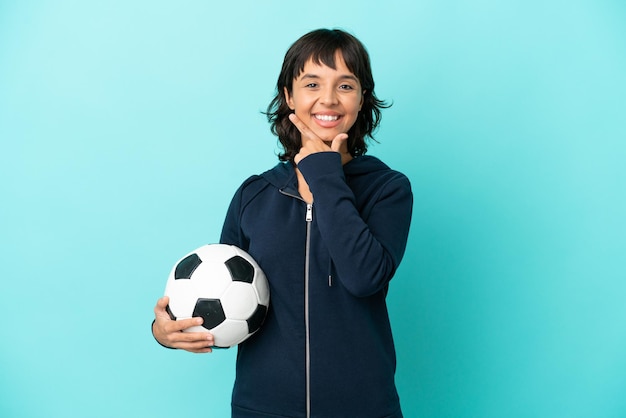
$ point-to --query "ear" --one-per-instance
(362, 99)
(289, 99)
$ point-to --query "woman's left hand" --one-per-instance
(311, 143)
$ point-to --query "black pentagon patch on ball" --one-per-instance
(257, 318)
(240, 269)
(187, 266)
(211, 312)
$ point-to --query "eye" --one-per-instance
(311, 85)
(346, 87)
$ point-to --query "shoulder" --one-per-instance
(374, 182)
(256, 183)
(369, 169)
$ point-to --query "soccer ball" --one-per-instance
(223, 285)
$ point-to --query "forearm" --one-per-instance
(366, 248)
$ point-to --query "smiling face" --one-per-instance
(327, 100)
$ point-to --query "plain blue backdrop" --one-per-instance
(126, 126)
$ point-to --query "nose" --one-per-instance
(328, 96)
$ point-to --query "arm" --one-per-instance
(168, 332)
(365, 252)
(231, 231)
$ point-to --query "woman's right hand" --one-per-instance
(169, 332)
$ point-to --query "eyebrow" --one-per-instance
(342, 77)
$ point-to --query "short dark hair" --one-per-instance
(321, 46)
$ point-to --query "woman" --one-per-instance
(328, 225)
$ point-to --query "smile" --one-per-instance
(327, 118)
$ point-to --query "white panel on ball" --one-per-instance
(262, 290)
(239, 301)
(230, 332)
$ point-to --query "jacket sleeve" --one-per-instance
(231, 230)
(365, 251)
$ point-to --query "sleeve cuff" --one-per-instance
(321, 164)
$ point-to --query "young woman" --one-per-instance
(328, 225)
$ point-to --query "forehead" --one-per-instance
(318, 64)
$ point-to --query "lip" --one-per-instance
(331, 123)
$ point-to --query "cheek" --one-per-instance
(301, 103)
(356, 104)
(354, 114)
(301, 113)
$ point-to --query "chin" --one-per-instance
(328, 137)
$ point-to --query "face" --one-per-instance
(328, 101)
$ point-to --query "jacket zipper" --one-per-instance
(309, 220)
(307, 345)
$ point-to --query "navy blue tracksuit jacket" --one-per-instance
(326, 349)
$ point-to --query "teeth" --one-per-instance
(326, 118)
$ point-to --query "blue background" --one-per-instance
(126, 126)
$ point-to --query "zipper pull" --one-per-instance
(309, 212)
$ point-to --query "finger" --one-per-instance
(162, 303)
(186, 340)
(160, 310)
(199, 349)
(202, 351)
(306, 132)
(198, 338)
(338, 142)
(201, 346)
(193, 341)
(183, 324)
